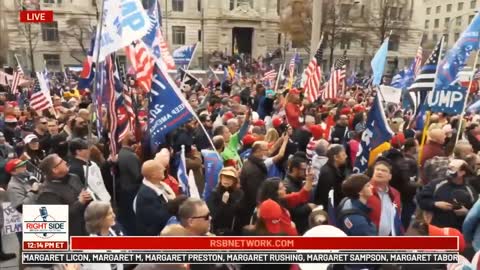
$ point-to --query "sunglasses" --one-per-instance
(205, 217)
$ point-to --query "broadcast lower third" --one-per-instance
(249, 243)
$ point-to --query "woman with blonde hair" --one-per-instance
(271, 137)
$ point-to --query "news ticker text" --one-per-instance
(241, 257)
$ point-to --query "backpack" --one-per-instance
(342, 213)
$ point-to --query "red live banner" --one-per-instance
(264, 243)
(36, 16)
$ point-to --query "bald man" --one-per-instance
(433, 148)
(150, 204)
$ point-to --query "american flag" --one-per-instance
(314, 76)
(337, 78)
(17, 75)
(418, 61)
(425, 81)
(270, 75)
(40, 99)
(291, 68)
(142, 63)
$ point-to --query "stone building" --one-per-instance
(59, 44)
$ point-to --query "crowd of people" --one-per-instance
(282, 160)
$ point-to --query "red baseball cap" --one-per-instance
(271, 212)
(12, 164)
(249, 139)
(228, 115)
(398, 139)
(259, 123)
(294, 91)
(276, 122)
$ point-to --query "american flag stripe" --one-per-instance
(337, 78)
(314, 76)
(142, 63)
(425, 81)
(270, 75)
(17, 75)
(418, 61)
(40, 99)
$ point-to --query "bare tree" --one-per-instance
(296, 22)
(33, 37)
(80, 30)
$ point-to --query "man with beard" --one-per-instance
(129, 179)
(339, 133)
(79, 128)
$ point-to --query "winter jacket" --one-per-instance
(19, 191)
(447, 191)
(129, 175)
(430, 150)
(375, 203)
(302, 136)
(150, 206)
(301, 212)
(252, 175)
(471, 226)
(338, 135)
(330, 177)
(401, 176)
(66, 191)
(224, 214)
(353, 217)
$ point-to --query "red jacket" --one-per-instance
(292, 199)
(430, 150)
(375, 203)
(293, 113)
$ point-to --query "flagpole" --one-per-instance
(427, 120)
(460, 123)
(280, 71)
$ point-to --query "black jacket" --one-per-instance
(224, 214)
(151, 212)
(129, 170)
(300, 213)
(330, 177)
(66, 191)
(253, 174)
(445, 190)
(76, 167)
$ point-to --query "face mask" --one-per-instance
(452, 174)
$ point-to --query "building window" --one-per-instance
(434, 37)
(446, 39)
(470, 18)
(52, 61)
(449, 7)
(447, 21)
(279, 38)
(457, 36)
(458, 21)
(363, 43)
(473, 4)
(362, 11)
(199, 5)
(427, 23)
(394, 43)
(199, 35)
(429, 10)
(236, 3)
(393, 13)
(49, 1)
(50, 31)
(178, 35)
(232, 4)
(345, 11)
(460, 6)
(345, 42)
(177, 5)
(436, 23)
(94, 3)
(399, 14)
(438, 9)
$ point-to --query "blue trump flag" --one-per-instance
(213, 164)
(378, 63)
(183, 55)
(377, 131)
(458, 54)
(167, 109)
(449, 100)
